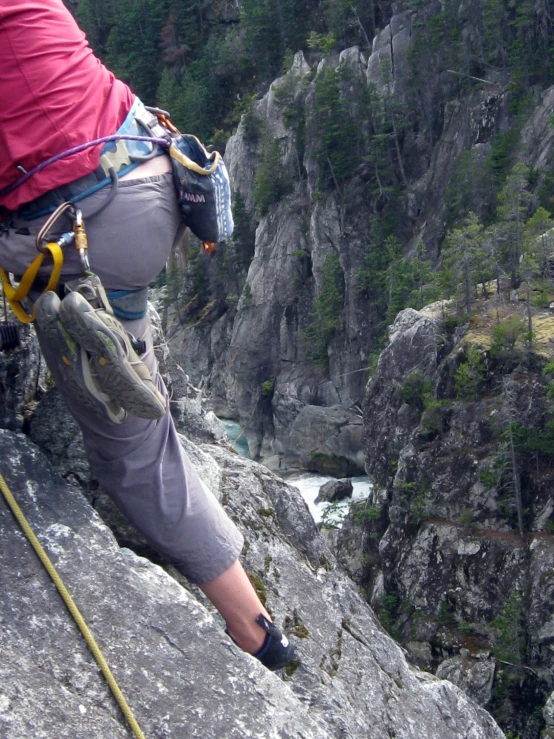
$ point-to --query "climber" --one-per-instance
(56, 95)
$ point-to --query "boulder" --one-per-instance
(326, 440)
(334, 490)
(474, 676)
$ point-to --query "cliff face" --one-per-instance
(179, 672)
(455, 548)
(292, 330)
(458, 537)
(263, 335)
(261, 340)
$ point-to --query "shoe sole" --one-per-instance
(72, 364)
(111, 367)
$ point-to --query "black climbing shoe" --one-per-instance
(276, 651)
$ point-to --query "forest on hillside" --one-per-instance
(204, 59)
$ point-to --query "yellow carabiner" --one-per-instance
(14, 295)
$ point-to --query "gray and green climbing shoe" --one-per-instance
(87, 317)
(73, 361)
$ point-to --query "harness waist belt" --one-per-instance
(60, 194)
(118, 157)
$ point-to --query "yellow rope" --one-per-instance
(69, 602)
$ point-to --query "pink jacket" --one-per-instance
(54, 95)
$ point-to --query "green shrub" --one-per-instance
(362, 513)
(387, 613)
(268, 387)
(549, 370)
(450, 324)
(328, 306)
(466, 516)
(334, 514)
(507, 334)
(470, 375)
(324, 43)
(490, 477)
(542, 294)
(446, 616)
(418, 508)
(271, 183)
(405, 486)
(416, 391)
(435, 417)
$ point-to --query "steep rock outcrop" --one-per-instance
(178, 672)
(237, 349)
(165, 643)
(167, 650)
(18, 387)
(446, 566)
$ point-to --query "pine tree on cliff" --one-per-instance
(466, 259)
(509, 414)
(514, 199)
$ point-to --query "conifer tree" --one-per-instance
(133, 44)
(336, 130)
(538, 234)
(509, 415)
(514, 199)
(464, 256)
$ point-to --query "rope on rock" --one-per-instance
(72, 608)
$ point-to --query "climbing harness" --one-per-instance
(200, 177)
(76, 150)
(72, 608)
(99, 359)
(15, 295)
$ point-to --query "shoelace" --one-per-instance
(125, 339)
(118, 331)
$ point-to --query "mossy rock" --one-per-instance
(300, 631)
(291, 668)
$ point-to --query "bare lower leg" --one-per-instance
(235, 598)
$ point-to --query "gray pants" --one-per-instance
(140, 463)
